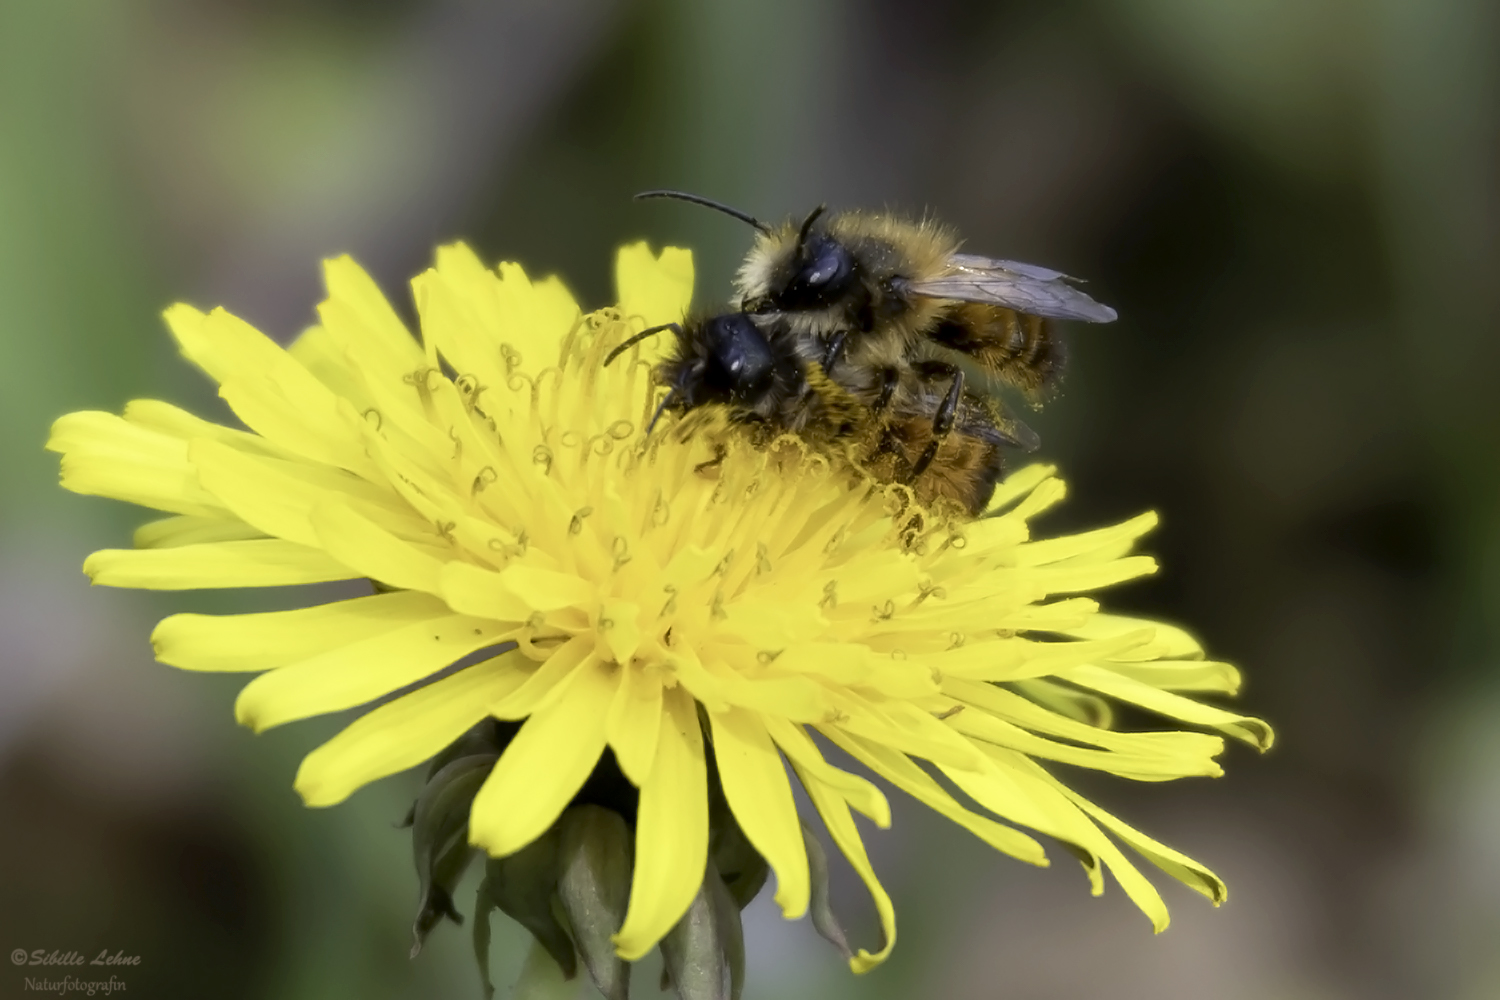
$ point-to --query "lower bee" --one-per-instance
(942, 439)
(748, 365)
(933, 436)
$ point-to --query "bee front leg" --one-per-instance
(834, 349)
(710, 468)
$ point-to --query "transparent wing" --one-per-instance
(1026, 288)
(1014, 432)
(976, 262)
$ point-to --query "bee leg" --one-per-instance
(834, 349)
(889, 446)
(713, 463)
(942, 423)
(890, 379)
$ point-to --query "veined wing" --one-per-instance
(1026, 288)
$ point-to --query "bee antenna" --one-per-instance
(718, 206)
(669, 399)
(631, 341)
(807, 226)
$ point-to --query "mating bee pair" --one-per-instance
(837, 334)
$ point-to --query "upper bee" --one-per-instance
(871, 266)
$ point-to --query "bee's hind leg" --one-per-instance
(890, 378)
(942, 423)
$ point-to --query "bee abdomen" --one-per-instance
(1020, 349)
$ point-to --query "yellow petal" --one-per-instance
(1071, 578)
(1194, 751)
(1181, 867)
(535, 318)
(1015, 658)
(671, 838)
(104, 455)
(653, 290)
(361, 671)
(846, 837)
(774, 624)
(1161, 753)
(363, 313)
(324, 430)
(573, 659)
(190, 529)
(708, 688)
(268, 562)
(179, 423)
(403, 733)
(545, 589)
(1018, 484)
(268, 496)
(267, 388)
(174, 490)
(1182, 675)
(1141, 892)
(915, 733)
(317, 351)
(1242, 727)
(1046, 494)
(900, 771)
(1068, 702)
(1022, 799)
(808, 760)
(544, 766)
(619, 627)
(276, 638)
(1084, 545)
(633, 725)
(357, 541)
(476, 591)
(461, 315)
(756, 786)
(366, 337)
(1168, 642)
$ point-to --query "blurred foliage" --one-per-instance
(1294, 205)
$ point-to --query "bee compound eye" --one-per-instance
(822, 275)
(829, 261)
(738, 363)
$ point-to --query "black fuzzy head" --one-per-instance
(822, 271)
(739, 364)
(723, 359)
(822, 274)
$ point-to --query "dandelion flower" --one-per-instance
(712, 625)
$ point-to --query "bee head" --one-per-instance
(738, 363)
(822, 270)
(724, 359)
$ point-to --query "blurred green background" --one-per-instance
(1294, 204)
